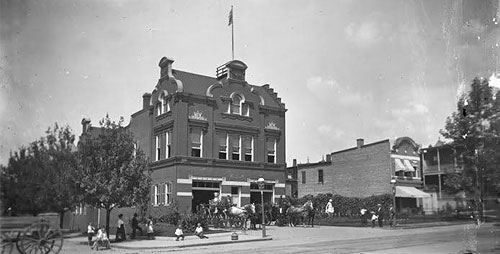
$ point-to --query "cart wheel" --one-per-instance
(40, 238)
(7, 242)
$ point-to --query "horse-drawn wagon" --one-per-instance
(30, 235)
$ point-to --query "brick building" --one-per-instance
(211, 134)
(206, 135)
(366, 170)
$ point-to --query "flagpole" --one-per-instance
(232, 31)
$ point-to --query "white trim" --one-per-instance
(405, 157)
(184, 194)
(201, 143)
(235, 183)
(265, 181)
(244, 195)
(185, 181)
(207, 178)
(279, 185)
(157, 146)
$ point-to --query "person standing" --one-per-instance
(363, 214)
(392, 216)
(329, 209)
(90, 232)
(135, 226)
(150, 229)
(380, 215)
(120, 229)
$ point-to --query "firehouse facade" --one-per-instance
(209, 136)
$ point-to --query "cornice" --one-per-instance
(236, 127)
(211, 162)
(163, 126)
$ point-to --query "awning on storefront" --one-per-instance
(408, 166)
(399, 165)
(410, 192)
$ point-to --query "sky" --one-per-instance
(345, 69)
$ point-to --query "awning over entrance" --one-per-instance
(410, 192)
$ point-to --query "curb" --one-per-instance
(193, 245)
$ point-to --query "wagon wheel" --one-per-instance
(7, 242)
(237, 223)
(40, 238)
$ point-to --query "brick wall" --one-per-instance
(311, 185)
(362, 172)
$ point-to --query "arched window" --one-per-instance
(236, 105)
(164, 103)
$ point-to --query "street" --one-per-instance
(443, 239)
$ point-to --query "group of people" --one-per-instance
(179, 233)
(102, 236)
(378, 216)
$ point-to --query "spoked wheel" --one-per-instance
(40, 238)
(7, 242)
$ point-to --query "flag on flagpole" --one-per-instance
(230, 17)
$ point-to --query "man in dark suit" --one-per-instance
(380, 214)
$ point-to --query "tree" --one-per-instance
(111, 172)
(475, 129)
(40, 178)
(59, 149)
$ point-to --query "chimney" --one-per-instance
(328, 158)
(85, 125)
(146, 100)
(166, 67)
(360, 142)
(294, 162)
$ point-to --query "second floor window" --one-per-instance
(235, 147)
(222, 145)
(248, 146)
(271, 149)
(303, 176)
(196, 142)
(157, 148)
(168, 144)
(320, 176)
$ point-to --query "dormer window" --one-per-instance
(238, 106)
(163, 104)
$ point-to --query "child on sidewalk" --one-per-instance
(150, 229)
(179, 233)
(199, 232)
(101, 239)
(90, 232)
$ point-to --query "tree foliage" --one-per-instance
(111, 172)
(40, 178)
(475, 129)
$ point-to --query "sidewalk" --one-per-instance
(162, 242)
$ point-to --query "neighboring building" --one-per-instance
(438, 162)
(313, 178)
(367, 170)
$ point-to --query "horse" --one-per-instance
(241, 214)
(305, 211)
